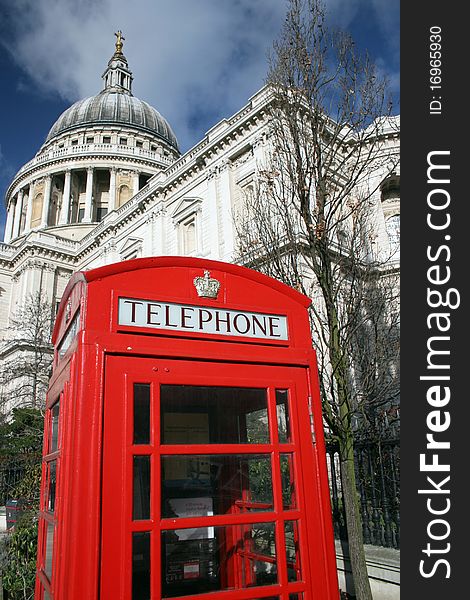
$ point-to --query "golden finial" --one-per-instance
(119, 41)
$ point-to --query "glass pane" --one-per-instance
(46, 595)
(288, 482)
(141, 566)
(204, 485)
(52, 466)
(292, 551)
(214, 415)
(69, 336)
(49, 549)
(141, 503)
(296, 596)
(208, 559)
(283, 424)
(141, 413)
(54, 436)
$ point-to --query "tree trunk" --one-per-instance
(353, 520)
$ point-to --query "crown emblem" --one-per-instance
(206, 287)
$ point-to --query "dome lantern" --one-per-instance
(118, 77)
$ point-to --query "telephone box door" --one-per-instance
(208, 481)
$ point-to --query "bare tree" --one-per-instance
(311, 222)
(28, 355)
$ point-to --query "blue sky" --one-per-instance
(196, 61)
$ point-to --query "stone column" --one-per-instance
(88, 196)
(65, 209)
(112, 189)
(46, 202)
(228, 238)
(29, 209)
(18, 211)
(9, 224)
(135, 184)
(212, 212)
(159, 245)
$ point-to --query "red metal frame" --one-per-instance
(122, 373)
(94, 376)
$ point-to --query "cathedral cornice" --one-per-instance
(34, 248)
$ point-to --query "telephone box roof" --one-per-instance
(178, 262)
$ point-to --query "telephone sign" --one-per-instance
(201, 319)
(184, 453)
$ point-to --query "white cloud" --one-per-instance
(189, 58)
(185, 55)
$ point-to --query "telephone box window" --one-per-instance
(54, 436)
(141, 565)
(292, 551)
(287, 480)
(69, 336)
(282, 409)
(141, 503)
(206, 485)
(49, 549)
(52, 467)
(205, 559)
(141, 413)
(46, 595)
(260, 564)
(214, 415)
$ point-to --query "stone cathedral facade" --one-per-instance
(110, 184)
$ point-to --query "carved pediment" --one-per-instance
(185, 207)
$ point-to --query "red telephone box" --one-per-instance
(184, 453)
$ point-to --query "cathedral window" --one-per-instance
(392, 226)
(54, 209)
(188, 236)
(74, 142)
(101, 212)
(123, 141)
(139, 144)
(187, 221)
(106, 139)
(37, 210)
(89, 140)
(123, 195)
(390, 188)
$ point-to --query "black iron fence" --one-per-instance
(13, 472)
(10, 476)
(377, 477)
(378, 485)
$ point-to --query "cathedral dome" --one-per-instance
(113, 107)
(97, 156)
